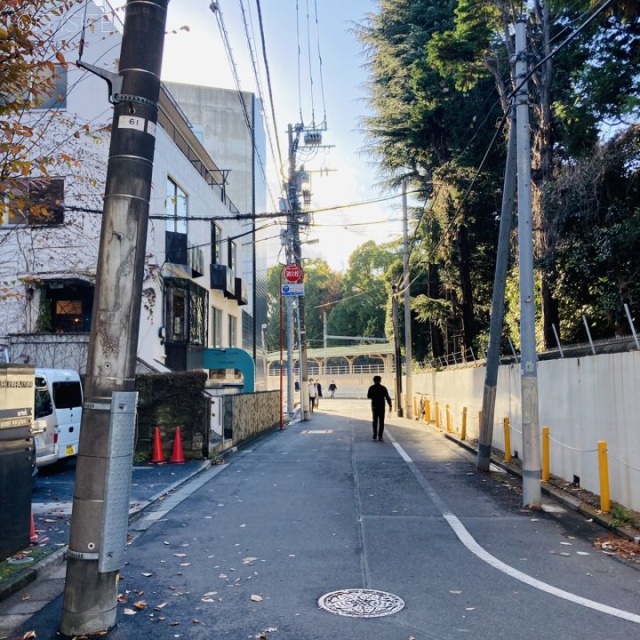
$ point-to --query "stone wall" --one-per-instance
(178, 399)
(167, 401)
(247, 415)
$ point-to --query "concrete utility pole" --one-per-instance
(295, 220)
(497, 305)
(406, 283)
(290, 343)
(531, 464)
(101, 498)
(398, 355)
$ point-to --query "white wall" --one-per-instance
(202, 202)
(581, 400)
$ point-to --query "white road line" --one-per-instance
(470, 543)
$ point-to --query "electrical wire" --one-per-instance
(270, 134)
(320, 74)
(280, 163)
(311, 92)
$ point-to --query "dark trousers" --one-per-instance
(378, 422)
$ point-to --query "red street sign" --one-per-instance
(293, 273)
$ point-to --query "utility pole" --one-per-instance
(99, 524)
(298, 218)
(398, 355)
(290, 341)
(295, 219)
(406, 285)
(531, 464)
(497, 305)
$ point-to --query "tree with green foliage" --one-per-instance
(432, 133)
(441, 77)
(594, 219)
(572, 89)
(323, 288)
(366, 292)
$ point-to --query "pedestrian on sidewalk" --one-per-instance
(319, 389)
(378, 394)
(332, 389)
(313, 394)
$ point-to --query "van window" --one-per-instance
(67, 395)
(43, 406)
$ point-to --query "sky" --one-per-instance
(302, 92)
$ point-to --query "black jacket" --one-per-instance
(378, 393)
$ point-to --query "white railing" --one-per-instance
(360, 369)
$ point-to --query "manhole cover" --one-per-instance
(361, 603)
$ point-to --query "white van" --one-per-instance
(58, 414)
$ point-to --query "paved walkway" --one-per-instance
(317, 532)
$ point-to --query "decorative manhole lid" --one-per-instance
(361, 603)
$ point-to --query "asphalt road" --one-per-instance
(247, 550)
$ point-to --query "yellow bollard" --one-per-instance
(438, 415)
(463, 433)
(545, 454)
(427, 410)
(448, 418)
(603, 464)
(507, 440)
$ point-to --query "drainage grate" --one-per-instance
(361, 603)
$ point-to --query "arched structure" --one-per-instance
(349, 353)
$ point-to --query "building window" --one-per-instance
(233, 331)
(216, 328)
(65, 307)
(198, 301)
(33, 201)
(216, 243)
(54, 96)
(176, 314)
(176, 208)
(185, 312)
(233, 255)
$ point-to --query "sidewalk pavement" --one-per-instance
(317, 473)
(40, 568)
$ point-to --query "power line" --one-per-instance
(269, 86)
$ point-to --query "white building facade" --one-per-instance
(195, 286)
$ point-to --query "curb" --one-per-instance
(567, 500)
(31, 574)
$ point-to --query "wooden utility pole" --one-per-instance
(101, 497)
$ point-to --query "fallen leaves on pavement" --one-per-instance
(625, 549)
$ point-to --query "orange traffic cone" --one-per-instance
(177, 457)
(33, 536)
(158, 454)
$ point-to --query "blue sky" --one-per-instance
(197, 56)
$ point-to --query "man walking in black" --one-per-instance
(379, 395)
